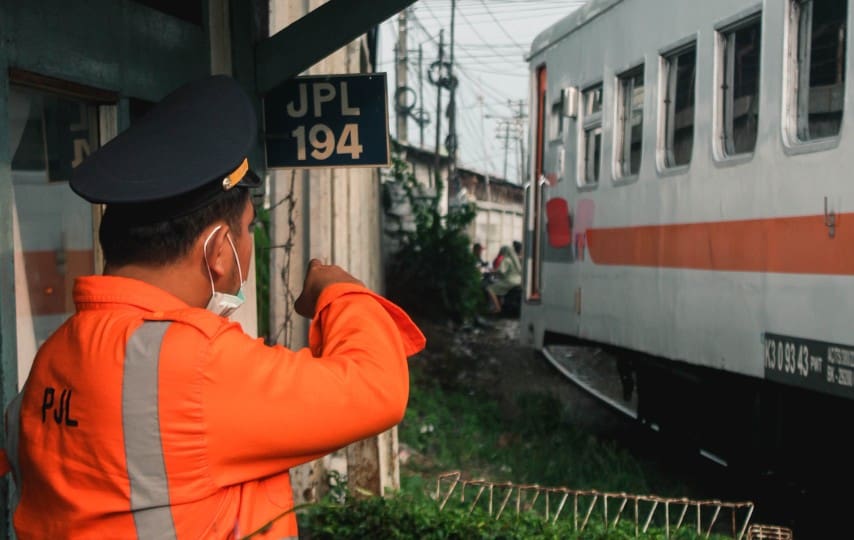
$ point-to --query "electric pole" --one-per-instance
(402, 52)
(516, 122)
(452, 108)
(421, 117)
(506, 146)
(439, 98)
(521, 119)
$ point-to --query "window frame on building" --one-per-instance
(55, 253)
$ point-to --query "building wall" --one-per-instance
(496, 225)
(110, 54)
(499, 203)
(500, 209)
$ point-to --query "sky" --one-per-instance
(492, 38)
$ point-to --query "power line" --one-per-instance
(501, 26)
(492, 72)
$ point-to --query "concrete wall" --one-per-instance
(333, 215)
(118, 50)
(499, 203)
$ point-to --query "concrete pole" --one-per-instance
(402, 60)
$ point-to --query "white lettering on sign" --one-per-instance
(81, 150)
(321, 92)
(845, 377)
(346, 109)
(321, 139)
(840, 356)
(790, 357)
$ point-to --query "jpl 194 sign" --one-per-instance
(328, 121)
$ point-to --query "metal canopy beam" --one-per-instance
(316, 35)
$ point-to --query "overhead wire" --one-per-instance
(480, 101)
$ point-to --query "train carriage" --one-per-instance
(692, 211)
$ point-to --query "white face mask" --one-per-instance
(224, 304)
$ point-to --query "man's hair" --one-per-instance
(128, 236)
(517, 246)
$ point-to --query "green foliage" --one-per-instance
(451, 428)
(416, 516)
(433, 272)
(262, 269)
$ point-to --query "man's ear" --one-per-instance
(215, 254)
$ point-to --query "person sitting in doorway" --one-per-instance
(517, 247)
(508, 275)
(480, 263)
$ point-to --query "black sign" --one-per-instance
(328, 121)
(826, 367)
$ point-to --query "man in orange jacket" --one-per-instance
(148, 413)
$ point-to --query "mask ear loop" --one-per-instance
(236, 258)
(205, 251)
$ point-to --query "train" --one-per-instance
(691, 212)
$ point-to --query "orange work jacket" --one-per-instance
(143, 417)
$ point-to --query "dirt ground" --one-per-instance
(488, 356)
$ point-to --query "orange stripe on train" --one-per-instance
(790, 245)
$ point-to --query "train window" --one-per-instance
(591, 139)
(820, 80)
(680, 76)
(630, 122)
(740, 87)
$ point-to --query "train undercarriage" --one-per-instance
(785, 446)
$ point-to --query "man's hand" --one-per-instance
(318, 277)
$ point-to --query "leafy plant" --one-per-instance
(433, 271)
(450, 426)
(262, 269)
(463, 431)
(416, 516)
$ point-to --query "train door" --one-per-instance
(53, 228)
(535, 196)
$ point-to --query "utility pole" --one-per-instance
(506, 146)
(439, 99)
(452, 108)
(520, 119)
(516, 122)
(421, 96)
(402, 52)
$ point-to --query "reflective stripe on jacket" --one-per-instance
(144, 417)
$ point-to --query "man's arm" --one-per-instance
(268, 409)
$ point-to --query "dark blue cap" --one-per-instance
(187, 150)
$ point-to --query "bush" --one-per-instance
(262, 270)
(433, 272)
(418, 517)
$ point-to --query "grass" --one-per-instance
(454, 427)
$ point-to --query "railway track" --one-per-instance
(814, 513)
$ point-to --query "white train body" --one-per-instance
(706, 252)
